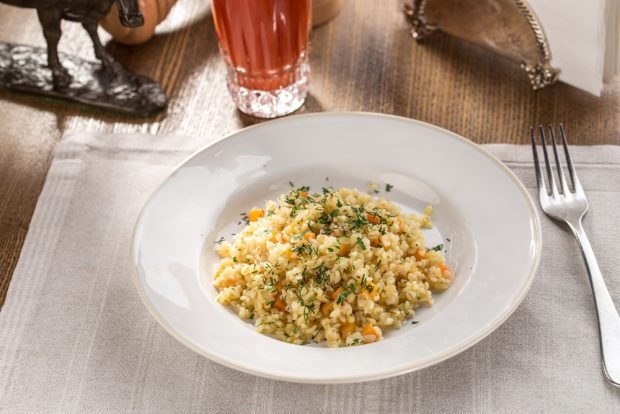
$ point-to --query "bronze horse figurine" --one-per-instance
(87, 12)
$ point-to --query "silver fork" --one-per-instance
(570, 205)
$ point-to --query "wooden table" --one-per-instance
(364, 60)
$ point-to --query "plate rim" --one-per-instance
(455, 350)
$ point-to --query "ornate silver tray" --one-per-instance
(508, 27)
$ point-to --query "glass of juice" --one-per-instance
(265, 46)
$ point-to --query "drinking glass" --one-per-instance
(265, 46)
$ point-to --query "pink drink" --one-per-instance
(265, 45)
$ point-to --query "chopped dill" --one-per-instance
(437, 248)
(360, 243)
(342, 297)
(377, 266)
(360, 220)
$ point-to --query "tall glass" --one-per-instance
(265, 45)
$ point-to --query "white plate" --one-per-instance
(480, 207)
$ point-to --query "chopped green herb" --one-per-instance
(322, 275)
(377, 266)
(317, 332)
(305, 249)
(360, 220)
(360, 243)
(342, 297)
(363, 283)
(271, 285)
(338, 203)
(325, 219)
(437, 248)
(308, 309)
(388, 188)
(235, 259)
(291, 184)
(415, 322)
(294, 210)
(220, 241)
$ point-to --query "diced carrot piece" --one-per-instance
(274, 236)
(224, 283)
(309, 235)
(373, 219)
(370, 294)
(255, 214)
(347, 329)
(336, 293)
(445, 270)
(303, 194)
(369, 330)
(326, 308)
(288, 253)
(279, 304)
(419, 254)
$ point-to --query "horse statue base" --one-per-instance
(25, 69)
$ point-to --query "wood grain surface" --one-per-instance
(363, 60)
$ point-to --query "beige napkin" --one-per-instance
(74, 336)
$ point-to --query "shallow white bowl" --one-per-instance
(483, 215)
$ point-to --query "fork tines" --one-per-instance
(550, 176)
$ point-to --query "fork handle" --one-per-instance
(608, 319)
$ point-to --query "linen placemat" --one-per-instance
(74, 336)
